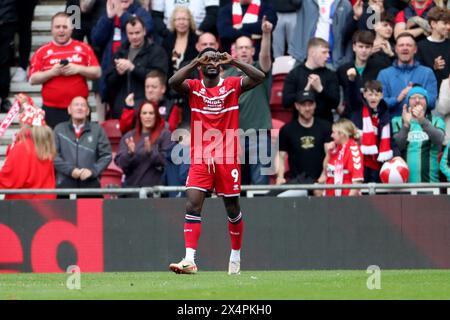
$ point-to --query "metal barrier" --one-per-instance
(157, 191)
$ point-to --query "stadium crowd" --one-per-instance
(370, 82)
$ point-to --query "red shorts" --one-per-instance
(224, 178)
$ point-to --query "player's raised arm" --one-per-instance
(177, 83)
(253, 76)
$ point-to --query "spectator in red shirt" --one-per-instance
(62, 67)
(34, 143)
(412, 19)
(343, 163)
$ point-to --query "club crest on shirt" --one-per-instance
(222, 90)
(307, 142)
(417, 136)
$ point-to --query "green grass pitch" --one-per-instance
(252, 285)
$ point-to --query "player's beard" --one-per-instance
(212, 75)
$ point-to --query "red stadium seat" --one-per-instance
(111, 177)
(281, 67)
(112, 130)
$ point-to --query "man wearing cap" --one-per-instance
(302, 141)
(419, 136)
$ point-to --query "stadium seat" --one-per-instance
(112, 130)
(111, 178)
(281, 67)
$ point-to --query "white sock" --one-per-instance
(190, 255)
(235, 255)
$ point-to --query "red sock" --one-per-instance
(236, 230)
(192, 231)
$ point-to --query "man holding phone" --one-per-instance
(419, 136)
(62, 67)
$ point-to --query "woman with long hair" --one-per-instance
(343, 163)
(142, 151)
(29, 160)
(180, 43)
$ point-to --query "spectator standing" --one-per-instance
(91, 11)
(62, 67)
(343, 163)
(286, 22)
(325, 19)
(398, 79)
(243, 18)
(131, 64)
(419, 136)
(313, 75)
(412, 19)
(203, 11)
(367, 68)
(383, 46)
(110, 33)
(29, 161)
(142, 151)
(302, 140)
(83, 148)
(24, 31)
(434, 51)
(370, 114)
(180, 42)
(256, 129)
(8, 21)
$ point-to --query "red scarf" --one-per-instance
(369, 137)
(251, 16)
(117, 39)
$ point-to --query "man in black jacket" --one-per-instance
(8, 20)
(314, 76)
(367, 68)
(130, 65)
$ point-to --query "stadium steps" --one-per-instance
(40, 35)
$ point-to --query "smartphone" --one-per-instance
(64, 62)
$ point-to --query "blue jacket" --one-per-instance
(307, 17)
(103, 34)
(396, 78)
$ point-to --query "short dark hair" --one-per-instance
(157, 74)
(438, 14)
(405, 35)
(366, 37)
(133, 20)
(207, 50)
(373, 85)
(387, 17)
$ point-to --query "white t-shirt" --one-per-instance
(197, 8)
(325, 21)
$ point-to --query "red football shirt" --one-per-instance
(353, 166)
(59, 91)
(215, 120)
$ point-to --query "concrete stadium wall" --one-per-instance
(390, 231)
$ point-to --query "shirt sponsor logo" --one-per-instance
(417, 136)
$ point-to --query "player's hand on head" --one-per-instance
(206, 58)
(224, 58)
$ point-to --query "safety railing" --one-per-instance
(158, 191)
